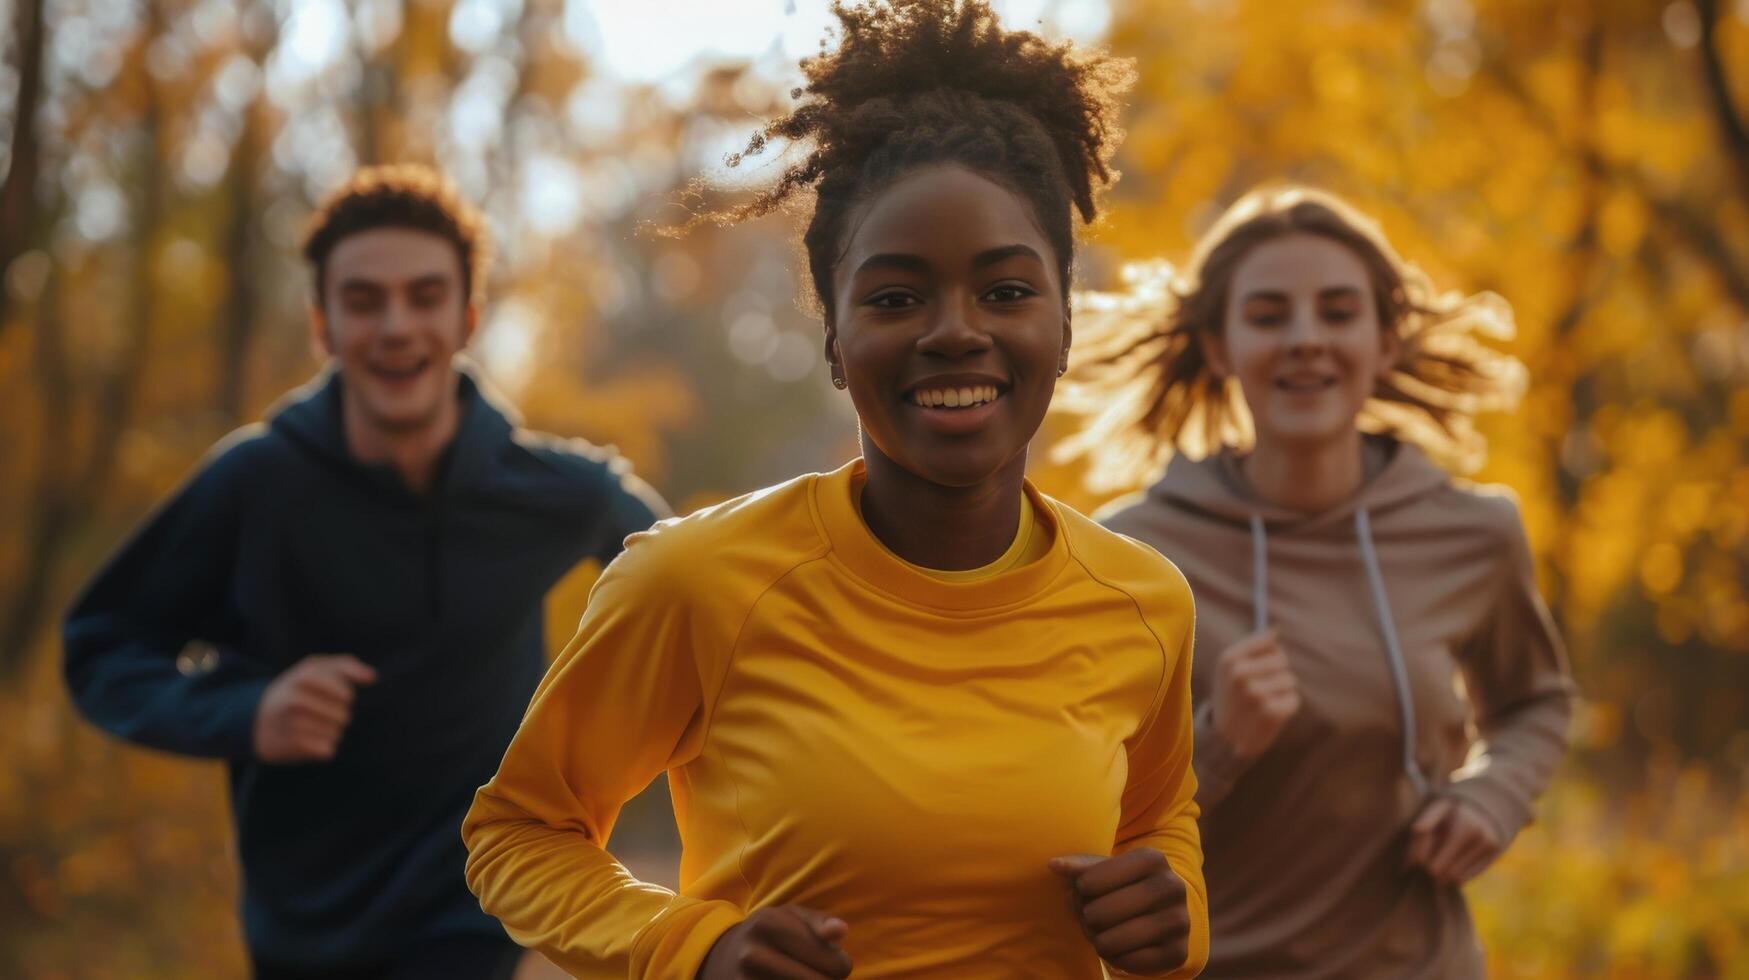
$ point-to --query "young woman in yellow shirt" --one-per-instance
(919, 719)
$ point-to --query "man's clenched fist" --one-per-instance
(305, 710)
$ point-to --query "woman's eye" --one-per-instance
(892, 301)
(1010, 293)
(1339, 315)
(1266, 319)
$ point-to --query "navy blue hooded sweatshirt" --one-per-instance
(281, 546)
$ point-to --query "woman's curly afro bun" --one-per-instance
(919, 82)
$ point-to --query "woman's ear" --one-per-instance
(834, 362)
(1390, 351)
(1068, 341)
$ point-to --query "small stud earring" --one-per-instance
(839, 383)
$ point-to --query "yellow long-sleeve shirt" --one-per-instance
(845, 732)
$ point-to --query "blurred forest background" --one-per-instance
(1587, 159)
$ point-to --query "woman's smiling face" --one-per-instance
(949, 324)
(1303, 338)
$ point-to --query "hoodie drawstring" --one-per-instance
(1381, 608)
(1399, 669)
(1259, 576)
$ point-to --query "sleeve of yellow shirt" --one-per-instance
(624, 702)
(1159, 804)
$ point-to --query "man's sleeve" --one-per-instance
(626, 505)
(167, 587)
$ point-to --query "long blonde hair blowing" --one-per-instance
(1146, 388)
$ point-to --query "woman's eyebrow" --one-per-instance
(903, 261)
(1002, 253)
(1264, 295)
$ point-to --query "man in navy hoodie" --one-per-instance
(346, 603)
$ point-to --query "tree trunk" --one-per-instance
(50, 512)
(115, 399)
(1718, 86)
(19, 207)
(241, 307)
(64, 493)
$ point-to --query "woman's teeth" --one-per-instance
(954, 397)
(1305, 384)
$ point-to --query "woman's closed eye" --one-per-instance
(1338, 312)
(1266, 314)
(1340, 304)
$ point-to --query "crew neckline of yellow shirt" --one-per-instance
(855, 547)
(1028, 545)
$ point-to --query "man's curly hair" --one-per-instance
(401, 195)
(919, 82)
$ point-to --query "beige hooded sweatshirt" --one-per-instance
(1410, 607)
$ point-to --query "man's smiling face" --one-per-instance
(393, 315)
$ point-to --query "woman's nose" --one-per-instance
(954, 331)
(1304, 330)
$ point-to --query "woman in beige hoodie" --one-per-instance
(1380, 693)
